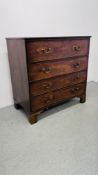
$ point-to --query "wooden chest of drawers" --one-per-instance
(47, 71)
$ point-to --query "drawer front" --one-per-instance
(51, 84)
(49, 99)
(56, 49)
(41, 71)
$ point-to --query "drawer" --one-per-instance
(44, 86)
(54, 97)
(41, 71)
(56, 49)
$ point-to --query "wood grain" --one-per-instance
(19, 74)
(49, 99)
(48, 85)
(41, 71)
(47, 71)
(39, 50)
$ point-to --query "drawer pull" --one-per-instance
(49, 99)
(76, 65)
(46, 69)
(76, 48)
(48, 50)
(48, 85)
(44, 50)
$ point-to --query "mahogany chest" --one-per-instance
(47, 71)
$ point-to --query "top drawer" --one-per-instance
(50, 49)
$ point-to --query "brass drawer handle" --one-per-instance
(48, 85)
(49, 99)
(76, 48)
(48, 50)
(44, 50)
(46, 69)
(76, 65)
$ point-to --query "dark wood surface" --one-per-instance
(56, 96)
(47, 71)
(52, 37)
(51, 50)
(19, 74)
(51, 84)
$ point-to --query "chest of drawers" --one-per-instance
(47, 71)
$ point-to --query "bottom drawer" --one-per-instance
(57, 96)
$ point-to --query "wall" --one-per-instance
(45, 18)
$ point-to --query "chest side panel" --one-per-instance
(18, 69)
